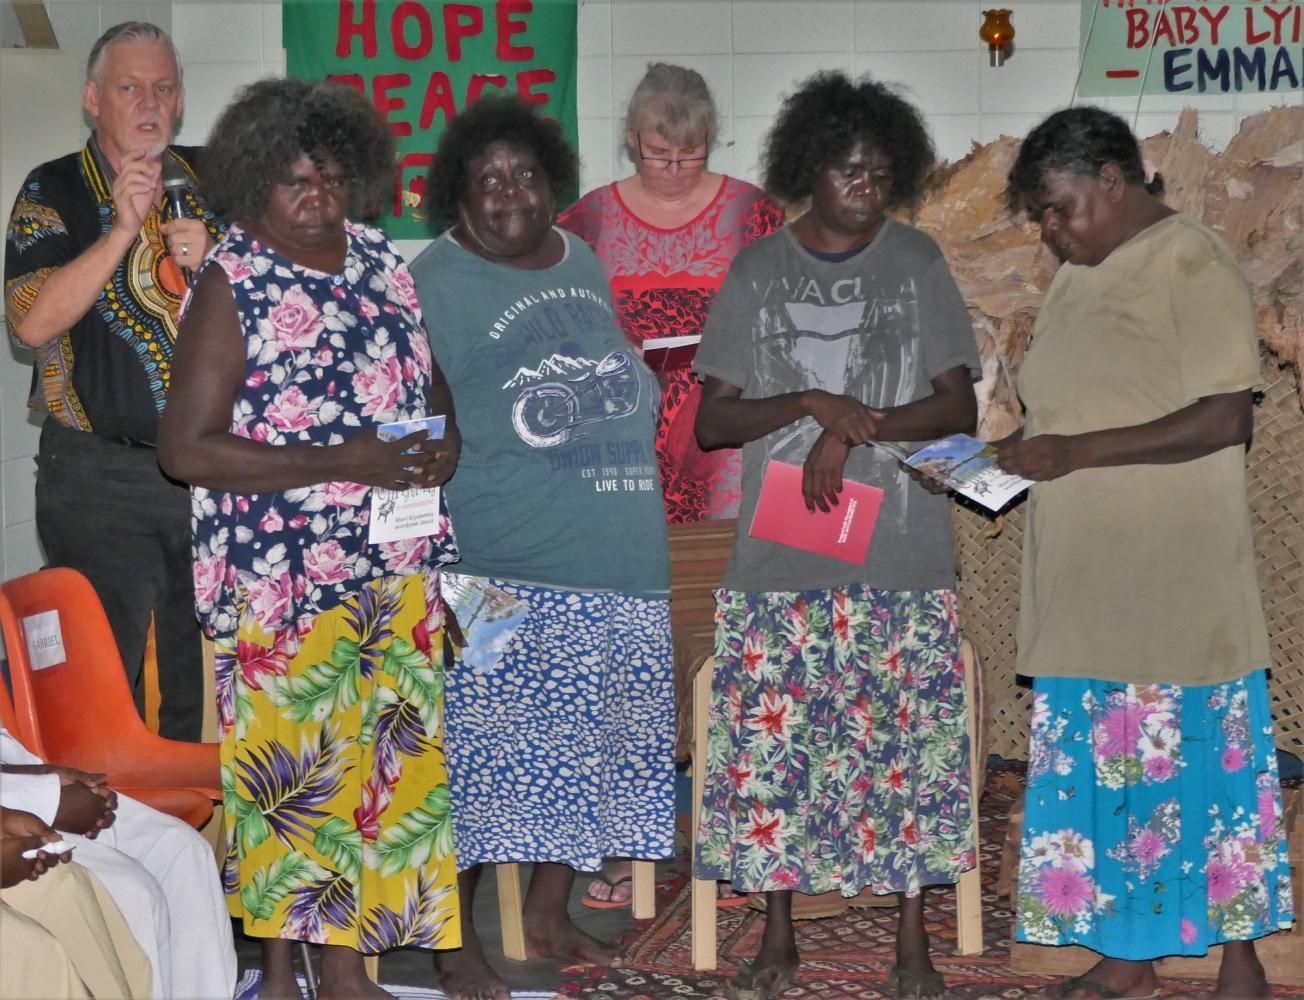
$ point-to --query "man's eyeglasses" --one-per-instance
(665, 162)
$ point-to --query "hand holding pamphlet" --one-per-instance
(400, 514)
(967, 466)
(843, 532)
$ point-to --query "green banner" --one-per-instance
(1132, 47)
(422, 62)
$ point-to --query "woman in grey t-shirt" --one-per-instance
(838, 755)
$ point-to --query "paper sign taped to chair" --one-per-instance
(44, 640)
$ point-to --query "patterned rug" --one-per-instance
(247, 989)
(843, 958)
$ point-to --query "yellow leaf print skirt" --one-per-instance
(334, 784)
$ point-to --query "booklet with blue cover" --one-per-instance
(967, 466)
(401, 514)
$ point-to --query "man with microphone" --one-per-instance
(93, 283)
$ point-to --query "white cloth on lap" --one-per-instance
(163, 877)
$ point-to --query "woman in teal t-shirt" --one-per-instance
(561, 748)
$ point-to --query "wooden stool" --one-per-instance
(968, 891)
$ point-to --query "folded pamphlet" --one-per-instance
(966, 465)
(487, 615)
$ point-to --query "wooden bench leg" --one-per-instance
(372, 964)
(702, 927)
(510, 907)
(968, 892)
(644, 889)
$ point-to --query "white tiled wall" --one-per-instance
(751, 52)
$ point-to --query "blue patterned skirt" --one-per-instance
(564, 751)
(1153, 822)
(839, 756)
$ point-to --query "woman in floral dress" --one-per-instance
(838, 756)
(302, 336)
(1153, 824)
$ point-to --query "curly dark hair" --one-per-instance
(1077, 141)
(829, 113)
(491, 119)
(272, 123)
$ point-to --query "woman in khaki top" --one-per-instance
(1153, 823)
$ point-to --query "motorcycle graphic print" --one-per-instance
(563, 394)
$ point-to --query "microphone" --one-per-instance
(175, 185)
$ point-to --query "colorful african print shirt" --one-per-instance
(663, 282)
(110, 372)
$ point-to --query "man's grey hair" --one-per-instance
(129, 31)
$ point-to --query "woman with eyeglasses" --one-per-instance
(665, 237)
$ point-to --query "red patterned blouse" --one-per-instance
(663, 282)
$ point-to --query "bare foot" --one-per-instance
(344, 976)
(278, 982)
(774, 968)
(361, 988)
(1129, 979)
(563, 942)
(464, 974)
(279, 986)
(913, 974)
(765, 977)
(1241, 975)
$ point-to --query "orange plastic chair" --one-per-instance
(186, 804)
(79, 711)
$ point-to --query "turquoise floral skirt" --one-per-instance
(838, 755)
(1153, 823)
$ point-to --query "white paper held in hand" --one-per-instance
(58, 847)
(400, 514)
(967, 466)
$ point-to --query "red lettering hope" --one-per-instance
(412, 29)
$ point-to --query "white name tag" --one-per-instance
(400, 514)
(44, 640)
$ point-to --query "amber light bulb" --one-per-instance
(998, 33)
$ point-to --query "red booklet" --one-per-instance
(843, 533)
(666, 354)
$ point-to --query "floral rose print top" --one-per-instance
(325, 356)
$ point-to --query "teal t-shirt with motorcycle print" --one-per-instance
(557, 484)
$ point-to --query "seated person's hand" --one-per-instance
(85, 809)
(67, 775)
(21, 831)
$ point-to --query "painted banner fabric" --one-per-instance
(422, 62)
(1132, 47)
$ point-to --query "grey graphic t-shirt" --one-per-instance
(878, 327)
(557, 484)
